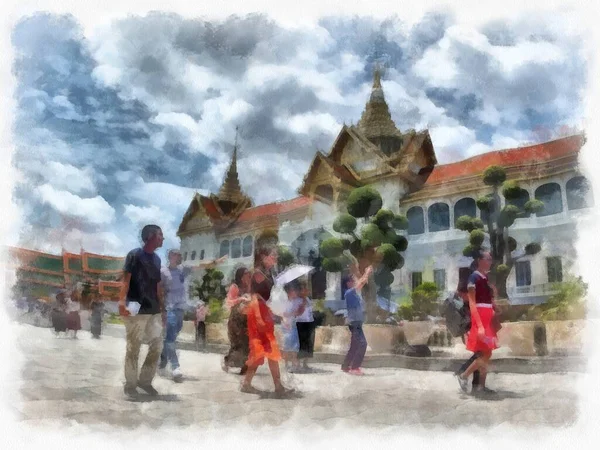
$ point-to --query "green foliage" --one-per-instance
(331, 248)
(511, 190)
(476, 238)
(502, 269)
(400, 243)
(533, 248)
(568, 303)
(344, 223)
(332, 265)
(469, 251)
(364, 202)
(285, 257)
(424, 300)
(209, 287)
(508, 215)
(467, 223)
(383, 218)
(494, 176)
(478, 223)
(485, 203)
(215, 314)
(371, 235)
(346, 244)
(534, 206)
(400, 222)
(389, 256)
(384, 277)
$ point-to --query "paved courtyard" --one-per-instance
(81, 380)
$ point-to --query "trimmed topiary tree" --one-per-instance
(377, 243)
(497, 223)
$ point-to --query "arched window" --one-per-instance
(201, 254)
(185, 256)
(194, 255)
(520, 203)
(325, 191)
(579, 193)
(465, 207)
(236, 248)
(551, 196)
(416, 220)
(247, 246)
(224, 250)
(439, 217)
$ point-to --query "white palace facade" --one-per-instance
(403, 167)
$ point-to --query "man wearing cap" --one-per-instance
(173, 280)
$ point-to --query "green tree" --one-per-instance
(285, 257)
(567, 303)
(497, 223)
(209, 287)
(377, 243)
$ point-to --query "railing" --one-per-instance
(535, 289)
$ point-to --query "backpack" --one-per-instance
(457, 315)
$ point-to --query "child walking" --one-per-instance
(291, 341)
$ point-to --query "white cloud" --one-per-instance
(65, 176)
(307, 123)
(142, 215)
(94, 210)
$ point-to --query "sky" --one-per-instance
(117, 125)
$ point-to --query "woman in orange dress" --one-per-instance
(261, 327)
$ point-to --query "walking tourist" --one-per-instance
(141, 306)
(355, 319)
(173, 280)
(306, 328)
(59, 314)
(261, 326)
(482, 338)
(291, 343)
(97, 308)
(462, 291)
(73, 317)
(238, 298)
(200, 325)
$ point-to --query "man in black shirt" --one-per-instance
(141, 278)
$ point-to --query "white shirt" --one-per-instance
(307, 315)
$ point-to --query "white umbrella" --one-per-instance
(292, 273)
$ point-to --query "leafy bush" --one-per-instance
(215, 314)
(568, 303)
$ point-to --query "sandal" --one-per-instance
(248, 389)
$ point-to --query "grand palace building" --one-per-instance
(403, 167)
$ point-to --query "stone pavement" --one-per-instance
(81, 380)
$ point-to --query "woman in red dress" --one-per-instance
(482, 338)
(261, 327)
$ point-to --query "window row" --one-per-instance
(554, 271)
(236, 248)
(193, 255)
(579, 196)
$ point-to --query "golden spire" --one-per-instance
(376, 120)
(231, 190)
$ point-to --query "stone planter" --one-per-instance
(417, 333)
(382, 338)
(565, 337)
(519, 338)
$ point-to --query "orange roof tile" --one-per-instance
(507, 158)
(272, 209)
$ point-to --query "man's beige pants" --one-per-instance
(143, 328)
